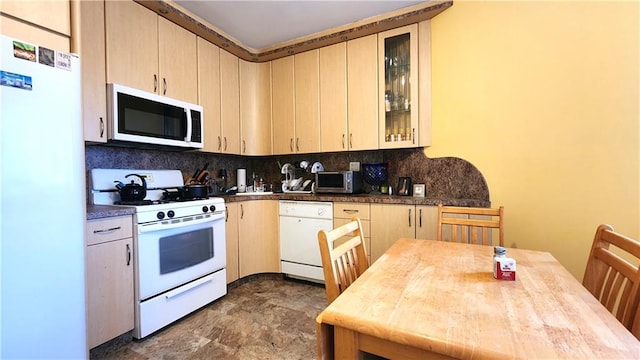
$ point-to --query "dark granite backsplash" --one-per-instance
(447, 178)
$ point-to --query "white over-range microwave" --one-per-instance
(140, 117)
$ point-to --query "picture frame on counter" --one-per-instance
(404, 186)
(419, 190)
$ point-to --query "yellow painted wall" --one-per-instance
(543, 97)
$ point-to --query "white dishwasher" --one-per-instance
(300, 222)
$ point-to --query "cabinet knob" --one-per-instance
(155, 83)
(101, 127)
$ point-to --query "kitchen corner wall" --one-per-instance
(542, 96)
(446, 178)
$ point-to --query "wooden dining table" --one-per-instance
(426, 299)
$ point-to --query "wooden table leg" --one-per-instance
(346, 344)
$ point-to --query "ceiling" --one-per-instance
(262, 24)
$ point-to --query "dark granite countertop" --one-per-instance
(362, 198)
(102, 211)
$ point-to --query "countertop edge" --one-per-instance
(95, 212)
(104, 211)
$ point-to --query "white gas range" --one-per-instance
(179, 246)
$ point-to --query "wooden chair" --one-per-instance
(469, 224)
(344, 257)
(612, 278)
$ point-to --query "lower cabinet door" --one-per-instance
(109, 290)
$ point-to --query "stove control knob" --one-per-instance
(212, 208)
(160, 215)
(205, 209)
(171, 213)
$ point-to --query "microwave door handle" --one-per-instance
(189, 126)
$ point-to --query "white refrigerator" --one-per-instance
(42, 187)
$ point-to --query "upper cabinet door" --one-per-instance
(398, 87)
(283, 106)
(132, 45)
(229, 102)
(307, 108)
(177, 62)
(255, 108)
(333, 98)
(91, 48)
(362, 77)
(209, 94)
(53, 15)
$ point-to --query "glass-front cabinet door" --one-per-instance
(398, 87)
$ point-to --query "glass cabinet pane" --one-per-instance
(398, 84)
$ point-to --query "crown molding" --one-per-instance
(409, 15)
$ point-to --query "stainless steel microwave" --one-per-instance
(136, 116)
(341, 182)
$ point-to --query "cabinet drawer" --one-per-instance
(349, 210)
(109, 229)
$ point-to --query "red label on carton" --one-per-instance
(505, 269)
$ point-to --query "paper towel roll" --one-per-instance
(241, 180)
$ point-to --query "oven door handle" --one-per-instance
(164, 225)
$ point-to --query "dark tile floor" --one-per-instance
(265, 317)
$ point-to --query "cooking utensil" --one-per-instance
(187, 192)
(203, 173)
(195, 191)
(132, 191)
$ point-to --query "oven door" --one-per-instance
(169, 256)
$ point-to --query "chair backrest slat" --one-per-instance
(614, 280)
(469, 224)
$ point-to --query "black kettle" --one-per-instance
(132, 191)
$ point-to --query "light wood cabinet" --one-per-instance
(110, 301)
(283, 105)
(307, 107)
(389, 222)
(345, 212)
(232, 242)
(142, 50)
(258, 233)
(43, 23)
(362, 93)
(255, 108)
(424, 84)
(398, 77)
(209, 94)
(426, 221)
(334, 133)
(52, 14)
(229, 102)
(131, 60)
(177, 61)
(90, 45)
